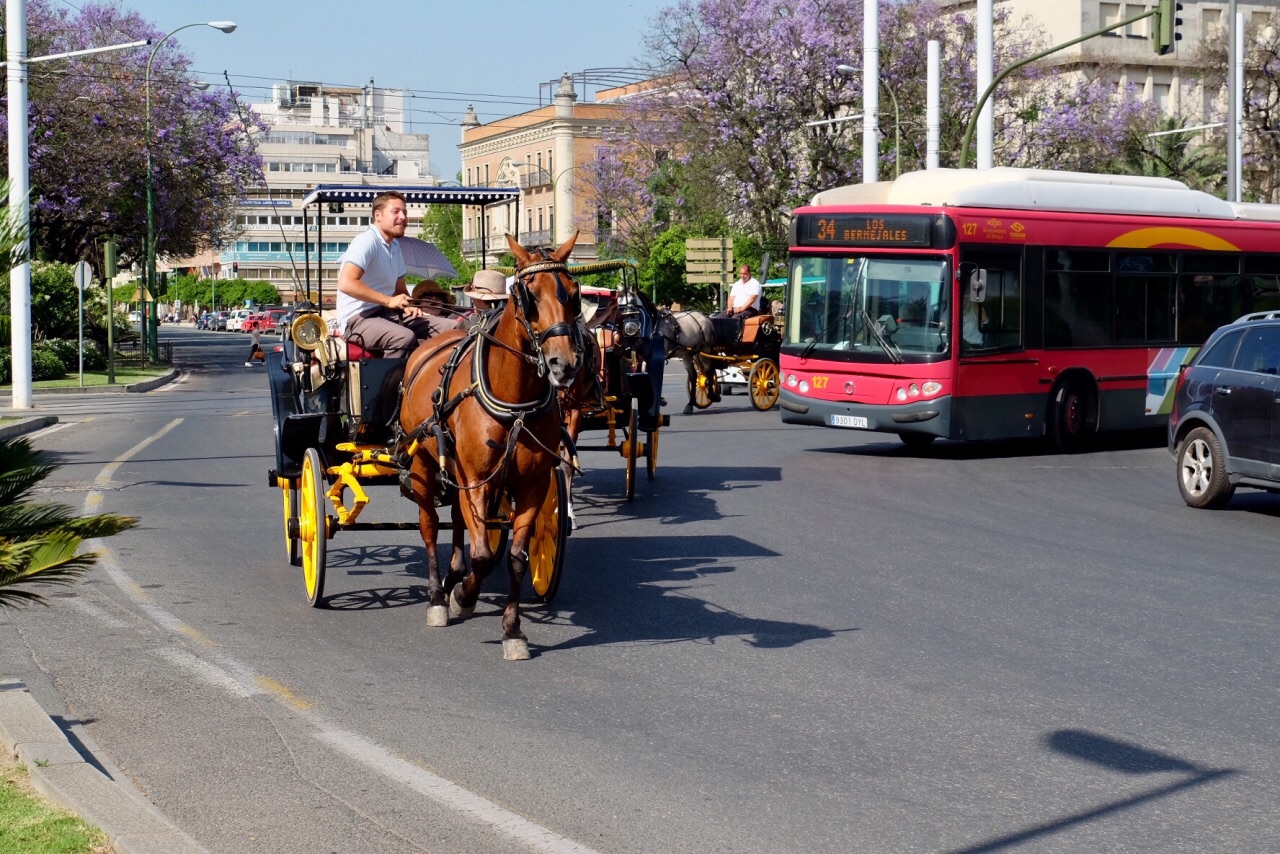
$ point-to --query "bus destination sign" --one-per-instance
(909, 230)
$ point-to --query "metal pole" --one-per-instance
(870, 90)
(1233, 130)
(80, 307)
(1237, 102)
(19, 205)
(986, 67)
(933, 106)
(109, 273)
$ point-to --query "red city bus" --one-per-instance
(1000, 303)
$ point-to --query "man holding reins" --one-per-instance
(374, 306)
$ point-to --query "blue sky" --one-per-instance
(492, 53)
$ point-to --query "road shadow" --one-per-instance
(677, 495)
(644, 590)
(1115, 756)
(892, 447)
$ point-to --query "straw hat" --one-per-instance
(487, 285)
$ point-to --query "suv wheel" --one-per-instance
(1202, 471)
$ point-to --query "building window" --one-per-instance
(1210, 20)
(469, 176)
(486, 174)
(539, 219)
(550, 167)
(1160, 96)
(539, 161)
(530, 212)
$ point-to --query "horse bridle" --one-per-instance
(523, 300)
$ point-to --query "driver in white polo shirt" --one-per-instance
(373, 301)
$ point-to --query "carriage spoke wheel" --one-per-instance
(651, 453)
(500, 537)
(763, 382)
(290, 492)
(313, 526)
(700, 390)
(633, 450)
(546, 545)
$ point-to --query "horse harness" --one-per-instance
(481, 337)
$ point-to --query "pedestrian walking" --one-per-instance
(255, 347)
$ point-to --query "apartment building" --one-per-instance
(320, 134)
(1125, 56)
(543, 152)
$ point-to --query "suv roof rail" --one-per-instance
(1259, 315)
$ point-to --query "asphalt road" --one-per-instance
(794, 639)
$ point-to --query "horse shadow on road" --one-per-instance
(677, 495)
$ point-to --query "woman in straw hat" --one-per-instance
(487, 290)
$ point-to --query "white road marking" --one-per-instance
(450, 794)
(203, 670)
(98, 613)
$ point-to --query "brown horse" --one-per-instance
(490, 401)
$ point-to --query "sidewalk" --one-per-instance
(61, 774)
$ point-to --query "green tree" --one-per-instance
(1181, 156)
(442, 225)
(40, 543)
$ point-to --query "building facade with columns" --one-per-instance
(542, 152)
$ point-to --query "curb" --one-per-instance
(145, 385)
(27, 425)
(61, 774)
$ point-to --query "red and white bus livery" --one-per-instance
(1001, 303)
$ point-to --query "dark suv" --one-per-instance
(1223, 430)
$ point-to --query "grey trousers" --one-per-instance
(394, 334)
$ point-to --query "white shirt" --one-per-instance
(383, 266)
(751, 287)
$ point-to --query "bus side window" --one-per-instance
(999, 315)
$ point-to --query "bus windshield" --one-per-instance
(886, 308)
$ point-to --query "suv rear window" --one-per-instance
(1222, 353)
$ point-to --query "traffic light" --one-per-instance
(235, 266)
(1164, 26)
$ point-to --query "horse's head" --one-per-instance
(669, 332)
(546, 299)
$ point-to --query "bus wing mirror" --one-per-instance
(978, 286)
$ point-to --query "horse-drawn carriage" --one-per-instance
(620, 390)
(470, 422)
(753, 349)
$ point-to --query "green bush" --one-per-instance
(6, 367)
(45, 365)
(68, 352)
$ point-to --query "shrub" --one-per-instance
(6, 367)
(45, 365)
(68, 352)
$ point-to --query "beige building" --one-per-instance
(319, 134)
(542, 152)
(1126, 56)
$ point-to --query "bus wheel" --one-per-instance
(1071, 423)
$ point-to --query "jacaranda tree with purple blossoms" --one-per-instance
(88, 146)
(745, 76)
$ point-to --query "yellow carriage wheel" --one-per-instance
(313, 525)
(290, 491)
(700, 390)
(632, 450)
(546, 545)
(498, 536)
(651, 453)
(763, 383)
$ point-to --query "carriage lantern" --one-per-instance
(632, 316)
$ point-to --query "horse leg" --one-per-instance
(515, 646)
(429, 526)
(465, 594)
(691, 371)
(457, 560)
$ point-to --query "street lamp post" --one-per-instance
(148, 328)
(850, 71)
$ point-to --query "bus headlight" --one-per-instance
(804, 387)
(931, 388)
(902, 394)
(913, 390)
(791, 380)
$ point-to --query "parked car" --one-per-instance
(235, 321)
(1221, 429)
(135, 317)
(252, 322)
(202, 322)
(219, 321)
(270, 320)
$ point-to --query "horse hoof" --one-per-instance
(456, 608)
(437, 616)
(515, 649)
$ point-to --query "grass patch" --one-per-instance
(30, 823)
(124, 376)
